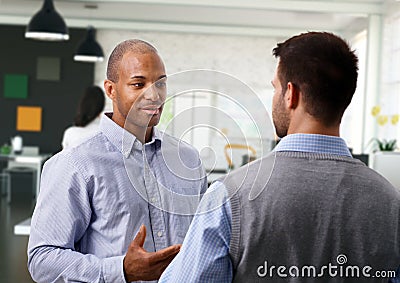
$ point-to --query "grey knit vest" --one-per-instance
(306, 217)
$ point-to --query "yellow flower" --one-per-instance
(382, 119)
(376, 110)
(395, 119)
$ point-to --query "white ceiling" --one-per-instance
(245, 17)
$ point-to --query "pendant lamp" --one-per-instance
(88, 49)
(47, 24)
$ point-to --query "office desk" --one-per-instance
(23, 228)
(36, 160)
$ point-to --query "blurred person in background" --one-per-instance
(87, 119)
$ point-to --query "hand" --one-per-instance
(142, 265)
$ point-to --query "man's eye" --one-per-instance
(137, 84)
(161, 84)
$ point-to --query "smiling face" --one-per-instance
(139, 93)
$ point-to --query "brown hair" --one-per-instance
(324, 68)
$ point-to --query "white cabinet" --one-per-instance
(387, 164)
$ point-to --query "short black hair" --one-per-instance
(130, 45)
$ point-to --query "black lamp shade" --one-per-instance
(47, 24)
(88, 49)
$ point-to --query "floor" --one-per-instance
(13, 258)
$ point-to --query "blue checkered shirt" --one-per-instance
(204, 256)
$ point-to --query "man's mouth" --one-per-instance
(152, 110)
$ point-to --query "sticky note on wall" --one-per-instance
(48, 68)
(15, 86)
(29, 118)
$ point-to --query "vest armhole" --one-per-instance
(235, 231)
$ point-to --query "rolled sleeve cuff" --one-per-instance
(113, 269)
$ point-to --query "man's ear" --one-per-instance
(109, 88)
(292, 96)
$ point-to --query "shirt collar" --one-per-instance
(157, 135)
(314, 143)
(123, 140)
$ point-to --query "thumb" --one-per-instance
(140, 236)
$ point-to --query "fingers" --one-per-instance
(140, 237)
(160, 255)
(141, 265)
(165, 254)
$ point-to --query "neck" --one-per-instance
(149, 134)
(309, 125)
(142, 134)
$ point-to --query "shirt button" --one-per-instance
(159, 233)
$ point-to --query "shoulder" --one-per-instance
(180, 156)
(59, 167)
(256, 172)
(172, 143)
(82, 155)
(95, 145)
(378, 184)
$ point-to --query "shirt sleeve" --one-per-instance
(204, 256)
(204, 185)
(60, 219)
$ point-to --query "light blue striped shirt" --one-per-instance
(204, 256)
(94, 197)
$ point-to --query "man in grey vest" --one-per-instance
(308, 211)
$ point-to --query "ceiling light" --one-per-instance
(47, 24)
(88, 49)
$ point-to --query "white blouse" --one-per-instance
(74, 135)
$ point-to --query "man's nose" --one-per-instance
(152, 93)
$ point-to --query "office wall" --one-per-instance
(58, 98)
(247, 58)
(389, 100)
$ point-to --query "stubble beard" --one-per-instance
(141, 120)
(280, 119)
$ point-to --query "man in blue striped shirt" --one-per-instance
(117, 207)
(308, 211)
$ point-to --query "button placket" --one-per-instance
(156, 213)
